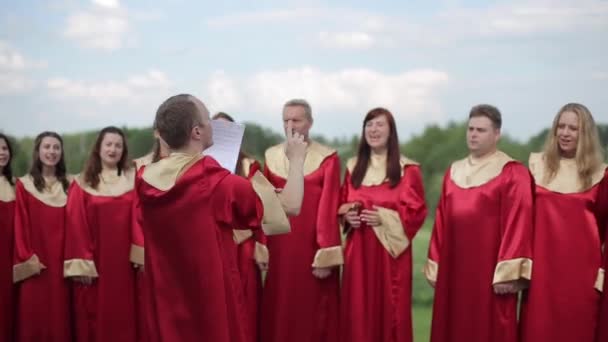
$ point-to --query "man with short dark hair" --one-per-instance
(187, 202)
(480, 250)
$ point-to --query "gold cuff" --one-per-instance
(260, 254)
(26, 269)
(513, 269)
(430, 270)
(599, 281)
(328, 257)
(241, 235)
(275, 220)
(79, 267)
(136, 255)
(390, 232)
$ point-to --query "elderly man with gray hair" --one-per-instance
(300, 298)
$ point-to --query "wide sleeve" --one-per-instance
(250, 205)
(260, 253)
(440, 225)
(26, 263)
(514, 260)
(327, 228)
(345, 206)
(79, 249)
(601, 214)
(398, 227)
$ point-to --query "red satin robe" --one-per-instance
(98, 230)
(250, 275)
(475, 229)
(192, 293)
(562, 303)
(7, 211)
(377, 288)
(297, 306)
(43, 302)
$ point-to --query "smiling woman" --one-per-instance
(42, 308)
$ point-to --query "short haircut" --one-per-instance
(175, 119)
(489, 112)
(301, 103)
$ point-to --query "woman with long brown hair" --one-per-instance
(98, 242)
(382, 209)
(570, 216)
(247, 246)
(7, 213)
(41, 196)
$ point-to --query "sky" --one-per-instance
(70, 65)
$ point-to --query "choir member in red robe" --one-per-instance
(383, 208)
(300, 300)
(563, 300)
(246, 246)
(159, 150)
(481, 246)
(98, 243)
(43, 307)
(7, 211)
(188, 203)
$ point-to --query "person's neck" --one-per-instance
(483, 156)
(48, 171)
(379, 151)
(567, 155)
(189, 149)
(109, 170)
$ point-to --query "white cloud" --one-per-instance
(14, 83)
(12, 60)
(103, 27)
(530, 18)
(410, 95)
(600, 76)
(113, 4)
(267, 17)
(347, 40)
(133, 89)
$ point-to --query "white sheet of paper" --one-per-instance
(227, 139)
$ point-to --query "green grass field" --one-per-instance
(422, 293)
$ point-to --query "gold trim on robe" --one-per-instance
(137, 254)
(469, 173)
(7, 191)
(376, 169)
(566, 180)
(79, 268)
(599, 281)
(110, 183)
(431, 269)
(53, 194)
(277, 161)
(28, 268)
(275, 219)
(390, 232)
(164, 174)
(143, 161)
(260, 253)
(329, 257)
(513, 269)
(241, 235)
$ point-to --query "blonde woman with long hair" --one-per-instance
(570, 217)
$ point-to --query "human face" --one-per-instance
(49, 151)
(482, 136)
(377, 132)
(299, 122)
(567, 134)
(5, 154)
(111, 149)
(203, 132)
